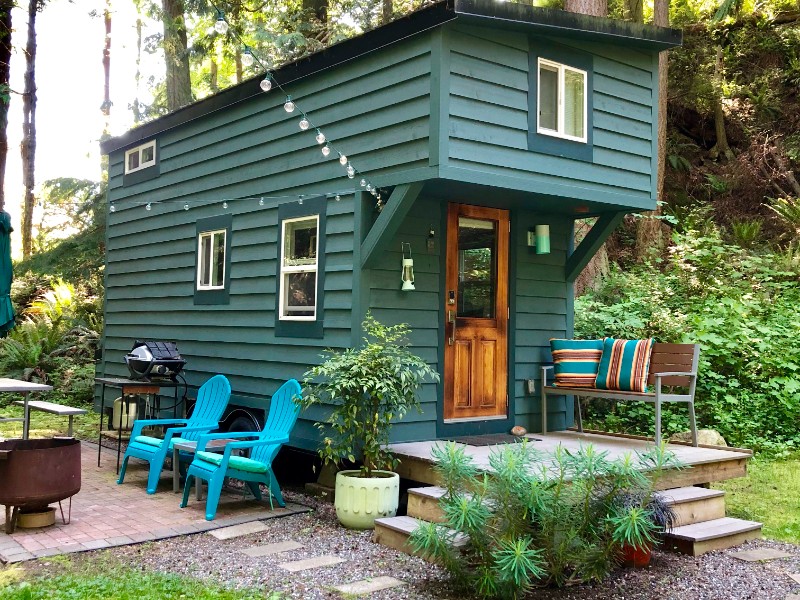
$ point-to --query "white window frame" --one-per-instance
(138, 151)
(559, 133)
(200, 257)
(284, 314)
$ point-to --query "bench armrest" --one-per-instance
(675, 374)
(545, 368)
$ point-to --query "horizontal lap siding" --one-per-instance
(488, 106)
(539, 312)
(419, 309)
(375, 108)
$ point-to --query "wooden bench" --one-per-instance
(55, 409)
(671, 366)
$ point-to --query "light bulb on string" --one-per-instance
(304, 124)
(266, 83)
(148, 206)
(300, 201)
(369, 187)
(338, 197)
(374, 192)
(221, 26)
(224, 205)
(113, 208)
(342, 159)
(363, 182)
(185, 207)
(351, 172)
(320, 137)
(261, 202)
(288, 105)
(247, 58)
(326, 150)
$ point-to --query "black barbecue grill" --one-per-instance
(154, 360)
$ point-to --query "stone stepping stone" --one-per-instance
(276, 548)
(368, 586)
(226, 533)
(795, 577)
(760, 554)
(311, 563)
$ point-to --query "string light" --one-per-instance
(113, 208)
(288, 105)
(148, 207)
(247, 58)
(342, 159)
(261, 202)
(351, 172)
(369, 187)
(224, 205)
(326, 150)
(363, 183)
(338, 197)
(221, 26)
(185, 207)
(320, 137)
(266, 83)
(304, 124)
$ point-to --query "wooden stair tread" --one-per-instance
(689, 494)
(407, 525)
(434, 492)
(716, 528)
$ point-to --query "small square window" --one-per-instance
(140, 157)
(211, 260)
(562, 101)
(299, 269)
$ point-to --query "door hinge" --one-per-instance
(509, 227)
(509, 313)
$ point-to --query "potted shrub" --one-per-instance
(638, 522)
(367, 387)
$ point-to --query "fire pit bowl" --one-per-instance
(34, 473)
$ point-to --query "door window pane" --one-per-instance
(548, 97)
(477, 267)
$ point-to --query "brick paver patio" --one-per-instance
(105, 514)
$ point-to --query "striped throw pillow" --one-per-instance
(624, 365)
(576, 362)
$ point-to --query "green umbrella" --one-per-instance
(6, 275)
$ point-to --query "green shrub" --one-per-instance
(540, 519)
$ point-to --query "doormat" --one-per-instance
(490, 439)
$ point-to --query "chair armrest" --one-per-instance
(140, 424)
(205, 438)
(260, 442)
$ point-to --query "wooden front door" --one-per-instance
(476, 310)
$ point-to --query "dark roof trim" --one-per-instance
(509, 15)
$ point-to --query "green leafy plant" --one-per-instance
(540, 519)
(746, 232)
(367, 388)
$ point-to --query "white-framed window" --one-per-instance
(211, 260)
(298, 268)
(562, 101)
(140, 157)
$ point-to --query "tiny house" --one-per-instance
(487, 129)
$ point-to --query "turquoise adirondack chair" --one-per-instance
(212, 398)
(214, 467)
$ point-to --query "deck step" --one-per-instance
(695, 504)
(423, 503)
(716, 534)
(395, 531)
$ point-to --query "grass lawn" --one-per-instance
(768, 494)
(104, 578)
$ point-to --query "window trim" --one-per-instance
(142, 165)
(199, 286)
(288, 269)
(287, 211)
(215, 294)
(559, 132)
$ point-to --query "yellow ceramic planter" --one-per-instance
(361, 500)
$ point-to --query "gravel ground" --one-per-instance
(714, 576)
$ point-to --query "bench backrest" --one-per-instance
(673, 357)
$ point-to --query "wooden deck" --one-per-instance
(707, 463)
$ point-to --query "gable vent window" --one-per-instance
(140, 157)
(562, 101)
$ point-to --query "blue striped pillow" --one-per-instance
(576, 362)
(625, 365)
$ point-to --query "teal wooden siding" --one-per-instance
(488, 119)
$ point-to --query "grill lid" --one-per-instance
(154, 359)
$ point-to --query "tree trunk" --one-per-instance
(176, 55)
(28, 146)
(596, 8)
(137, 111)
(650, 238)
(239, 68)
(5, 90)
(105, 108)
(388, 11)
(721, 147)
(634, 10)
(214, 76)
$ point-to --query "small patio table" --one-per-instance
(24, 388)
(190, 447)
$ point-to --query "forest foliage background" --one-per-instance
(718, 264)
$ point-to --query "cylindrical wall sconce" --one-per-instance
(407, 272)
(539, 238)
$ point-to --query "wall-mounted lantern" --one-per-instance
(407, 273)
(539, 238)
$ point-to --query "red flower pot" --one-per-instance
(635, 557)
